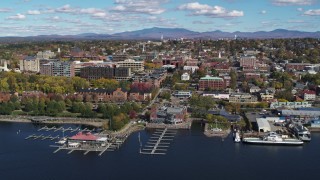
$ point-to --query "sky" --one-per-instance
(69, 17)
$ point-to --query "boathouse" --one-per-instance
(86, 139)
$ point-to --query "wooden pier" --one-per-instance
(42, 137)
(158, 142)
(55, 129)
(87, 149)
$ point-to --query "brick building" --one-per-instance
(209, 82)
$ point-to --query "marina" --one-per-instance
(158, 142)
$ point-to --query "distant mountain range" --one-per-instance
(171, 33)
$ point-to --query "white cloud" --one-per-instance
(292, 2)
(312, 12)
(17, 17)
(5, 10)
(140, 6)
(211, 11)
(33, 12)
(263, 12)
(300, 9)
(65, 9)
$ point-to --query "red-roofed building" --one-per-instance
(84, 137)
(309, 95)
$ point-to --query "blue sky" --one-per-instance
(42, 17)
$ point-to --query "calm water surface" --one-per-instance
(191, 156)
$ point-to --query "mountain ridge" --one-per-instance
(155, 33)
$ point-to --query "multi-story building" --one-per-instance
(45, 54)
(135, 66)
(309, 95)
(248, 61)
(297, 66)
(58, 68)
(185, 77)
(97, 72)
(276, 105)
(243, 98)
(30, 64)
(213, 83)
(119, 57)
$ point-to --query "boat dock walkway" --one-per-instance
(158, 142)
(87, 149)
(55, 129)
(42, 137)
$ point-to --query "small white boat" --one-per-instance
(237, 137)
(62, 141)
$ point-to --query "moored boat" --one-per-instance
(272, 138)
(300, 131)
(237, 137)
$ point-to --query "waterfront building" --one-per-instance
(209, 82)
(290, 105)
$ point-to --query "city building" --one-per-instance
(309, 95)
(30, 64)
(45, 54)
(97, 72)
(213, 83)
(290, 105)
(248, 61)
(217, 95)
(135, 66)
(58, 68)
(182, 94)
(102, 95)
(119, 57)
(4, 68)
(185, 77)
(243, 98)
(191, 68)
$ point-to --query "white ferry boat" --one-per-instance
(272, 138)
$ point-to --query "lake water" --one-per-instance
(191, 156)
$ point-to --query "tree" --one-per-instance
(233, 82)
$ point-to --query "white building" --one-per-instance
(263, 125)
(132, 64)
(31, 64)
(185, 77)
(275, 105)
(217, 95)
(190, 68)
(45, 54)
(4, 68)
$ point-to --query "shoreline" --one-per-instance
(61, 120)
(210, 133)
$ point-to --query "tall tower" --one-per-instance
(143, 48)
(219, 55)
(235, 37)
(162, 37)
(59, 50)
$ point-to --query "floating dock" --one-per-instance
(158, 142)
